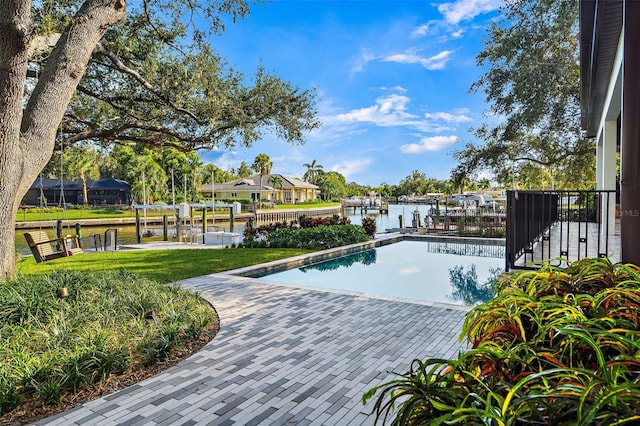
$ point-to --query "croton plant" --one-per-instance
(555, 346)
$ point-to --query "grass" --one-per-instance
(162, 265)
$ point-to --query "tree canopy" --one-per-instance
(532, 87)
(332, 185)
(140, 73)
(146, 84)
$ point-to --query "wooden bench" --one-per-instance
(44, 249)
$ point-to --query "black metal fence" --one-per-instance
(467, 223)
(546, 225)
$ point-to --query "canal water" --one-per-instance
(127, 233)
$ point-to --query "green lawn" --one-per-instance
(162, 265)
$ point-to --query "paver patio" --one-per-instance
(284, 355)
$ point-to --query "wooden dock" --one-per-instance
(366, 205)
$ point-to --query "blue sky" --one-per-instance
(393, 81)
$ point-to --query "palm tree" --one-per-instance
(82, 163)
(314, 170)
(262, 164)
(276, 182)
(484, 183)
(447, 188)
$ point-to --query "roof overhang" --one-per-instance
(600, 29)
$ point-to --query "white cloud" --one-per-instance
(399, 89)
(388, 111)
(351, 167)
(436, 62)
(429, 144)
(448, 117)
(454, 12)
(462, 10)
(359, 62)
(227, 160)
(422, 30)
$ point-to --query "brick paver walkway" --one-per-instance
(283, 356)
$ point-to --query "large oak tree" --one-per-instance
(532, 86)
(141, 73)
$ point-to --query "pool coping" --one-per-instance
(257, 271)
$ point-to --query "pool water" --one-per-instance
(456, 273)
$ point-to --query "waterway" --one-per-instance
(127, 233)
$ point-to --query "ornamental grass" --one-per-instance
(55, 342)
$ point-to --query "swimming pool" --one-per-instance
(427, 271)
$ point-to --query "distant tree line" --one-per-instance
(168, 171)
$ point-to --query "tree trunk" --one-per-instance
(85, 196)
(27, 136)
(15, 21)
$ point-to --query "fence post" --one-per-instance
(138, 226)
(165, 228)
(178, 228)
(79, 234)
(509, 231)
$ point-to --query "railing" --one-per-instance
(467, 223)
(547, 225)
(466, 249)
(272, 216)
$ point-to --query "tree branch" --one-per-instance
(59, 79)
(156, 135)
(135, 74)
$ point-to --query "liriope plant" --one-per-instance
(52, 347)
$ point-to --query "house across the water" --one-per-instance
(58, 191)
(276, 188)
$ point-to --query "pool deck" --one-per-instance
(284, 355)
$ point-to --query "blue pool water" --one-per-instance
(446, 272)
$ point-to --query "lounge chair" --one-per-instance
(44, 249)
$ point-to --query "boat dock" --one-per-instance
(366, 204)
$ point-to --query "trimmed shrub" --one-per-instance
(317, 238)
(312, 222)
